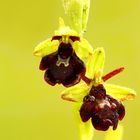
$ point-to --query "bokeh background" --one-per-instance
(32, 110)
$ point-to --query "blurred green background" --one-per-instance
(32, 110)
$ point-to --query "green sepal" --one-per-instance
(64, 30)
(95, 63)
(75, 93)
(46, 47)
(119, 92)
(82, 48)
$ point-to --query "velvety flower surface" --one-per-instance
(63, 66)
(63, 57)
(104, 110)
(100, 101)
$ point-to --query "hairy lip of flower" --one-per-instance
(66, 51)
(100, 107)
(63, 67)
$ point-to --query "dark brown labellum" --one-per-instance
(104, 110)
(63, 66)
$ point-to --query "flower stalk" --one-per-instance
(86, 131)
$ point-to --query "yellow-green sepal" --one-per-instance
(119, 92)
(114, 135)
(75, 93)
(46, 47)
(82, 48)
(64, 30)
(95, 63)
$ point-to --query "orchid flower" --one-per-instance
(63, 56)
(99, 102)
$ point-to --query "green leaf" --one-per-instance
(74, 10)
(75, 93)
(119, 92)
(86, 130)
(86, 7)
(95, 63)
(82, 48)
(114, 135)
(77, 11)
(46, 47)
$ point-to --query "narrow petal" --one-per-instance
(75, 93)
(119, 92)
(82, 48)
(46, 47)
(112, 73)
(114, 135)
(95, 63)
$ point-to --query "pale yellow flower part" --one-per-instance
(119, 92)
(46, 47)
(75, 93)
(82, 48)
(64, 30)
(95, 63)
(114, 135)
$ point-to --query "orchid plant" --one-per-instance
(67, 57)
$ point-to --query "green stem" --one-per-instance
(86, 130)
